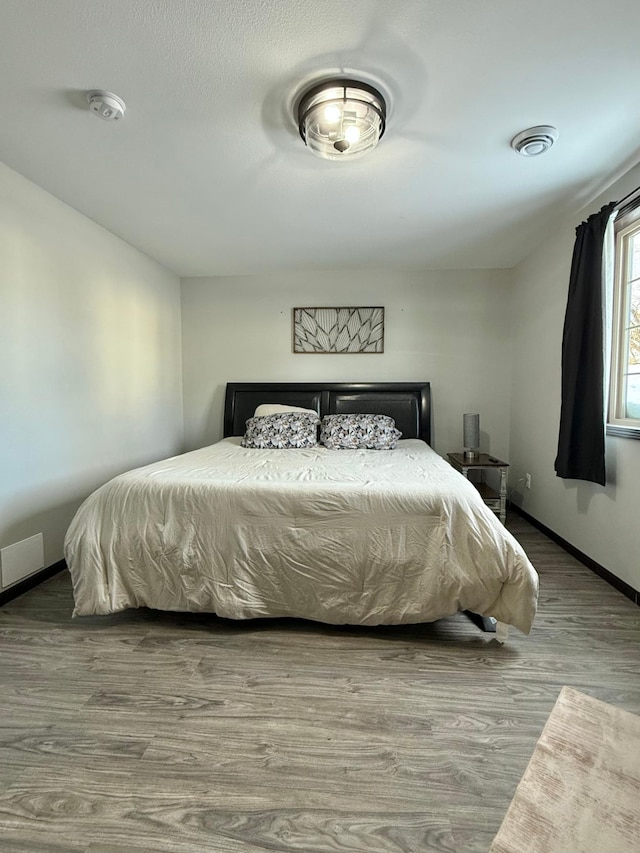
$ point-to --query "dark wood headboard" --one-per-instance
(408, 403)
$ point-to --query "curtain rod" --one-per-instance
(625, 202)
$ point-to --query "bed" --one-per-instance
(362, 537)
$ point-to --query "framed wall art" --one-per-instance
(338, 330)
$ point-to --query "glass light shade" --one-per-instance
(341, 119)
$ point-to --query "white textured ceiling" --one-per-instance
(206, 172)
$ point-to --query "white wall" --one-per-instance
(603, 522)
(451, 328)
(90, 361)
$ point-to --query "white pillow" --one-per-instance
(278, 409)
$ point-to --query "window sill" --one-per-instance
(623, 431)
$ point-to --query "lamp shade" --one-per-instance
(341, 119)
(471, 432)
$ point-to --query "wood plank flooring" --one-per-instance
(150, 732)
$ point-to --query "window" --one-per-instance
(624, 396)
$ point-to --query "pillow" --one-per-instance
(281, 431)
(278, 409)
(372, 432)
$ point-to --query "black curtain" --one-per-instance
(581, 439)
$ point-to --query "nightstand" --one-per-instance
(497, 501)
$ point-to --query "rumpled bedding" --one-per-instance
(361, 537)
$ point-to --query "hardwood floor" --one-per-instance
(147, 732)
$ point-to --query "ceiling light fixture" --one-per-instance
(341, 119)
(534, 140)
(106, 105)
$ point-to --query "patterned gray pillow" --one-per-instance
(372, 432)
(281, 431)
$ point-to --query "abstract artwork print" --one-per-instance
(338, 330)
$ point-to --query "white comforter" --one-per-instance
(341, 536)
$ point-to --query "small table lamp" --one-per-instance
(471, 435)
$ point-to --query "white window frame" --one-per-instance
(625, 227)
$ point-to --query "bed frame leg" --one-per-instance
(485, 623)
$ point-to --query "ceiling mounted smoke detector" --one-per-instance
(341, 119)
(106, 105)
(534, 140)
